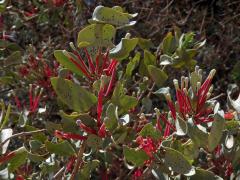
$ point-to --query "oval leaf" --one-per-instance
(157, 75)
(216, 132)
(76, 97)
(96, 35)
(177, 162)
(137, 157)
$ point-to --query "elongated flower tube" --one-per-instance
(100, 105)
(7, 157)
(171, 106)
(85, 128)
(62, 135)
(95, 68)
(70, 163)
(102, 131)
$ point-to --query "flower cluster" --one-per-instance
(34, 95)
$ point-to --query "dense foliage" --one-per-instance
(102, 102)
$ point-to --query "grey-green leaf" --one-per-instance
(177, 162)
(135, 156)
(63, 148)
(157, 75)
(216, 132)
(73, 95)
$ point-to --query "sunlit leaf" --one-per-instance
(99, 35)
(122, 50)
(137, 157)
(114, 16)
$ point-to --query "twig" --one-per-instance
(79, 159)
(216, 97)
(59, 172)
(21, 134)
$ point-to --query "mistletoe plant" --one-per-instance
(113, 122)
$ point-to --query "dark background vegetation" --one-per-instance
(218, 21)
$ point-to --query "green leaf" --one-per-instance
(35, 157)
(236, 157)
(73, 95)
(18, 160)
(177, 162)
(94, 141)
(145, 43)
(96, 35)
(14, 58)
(6, 118)
(65, 62)
(149, 131)
(216, 132)
(203, 174)
(190, 150)
(8, 80)
(63, 148)
(36, 136)
(111, 122)
(149, 59)
(114, 16)
(157, 75)
(4, 134)
(147, 104)
(197, 136)
(124, 102)
(132, 64)
(122, 50)
(164, 90)
(34, 145)
(3, 5)
(88, 168)
(168, 44)
(120, 134)
(135, 156)
(181, 127)
(166, 60)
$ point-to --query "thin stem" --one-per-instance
(59, 173)
(21, 134)
(78, 162)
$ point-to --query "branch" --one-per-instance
(79, 159)
(59, 172)
(21, 134)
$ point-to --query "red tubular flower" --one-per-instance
(90, 61)
(171, 106)
(79, 66)
(17, 102)
(167, 131)
(34, 101)
(23, 71)
(109, 89)
(164, 119)
(147, 144)
(137, 174)
(63, 135)
(99, 106)
(7, 157)
(19, 177)
(70, 164)
(85, 128)
(229, 116)
(203, 90)
(56, 3)
(102, 131)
